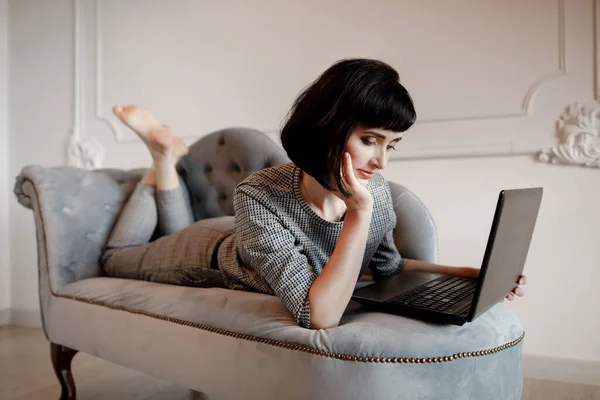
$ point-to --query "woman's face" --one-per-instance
(370, 150)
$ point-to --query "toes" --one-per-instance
(121, 110)
(128, 110)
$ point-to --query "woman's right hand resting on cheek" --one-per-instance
(360, 199)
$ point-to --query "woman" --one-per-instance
(303, 230)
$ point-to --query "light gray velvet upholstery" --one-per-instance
(415, 235)
(361, 333)
(78, 209)
(206, 338)
(226, 366)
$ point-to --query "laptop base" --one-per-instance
(379, 294)
(414, 313)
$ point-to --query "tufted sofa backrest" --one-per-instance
(76, 209)
(217, 162)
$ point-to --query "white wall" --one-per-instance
(562, 266)
(482, 85)
(4, 165)
(40, 98)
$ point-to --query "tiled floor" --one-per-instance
(26, 374)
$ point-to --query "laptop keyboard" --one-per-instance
(439, 294)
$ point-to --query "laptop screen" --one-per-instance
(507, 247)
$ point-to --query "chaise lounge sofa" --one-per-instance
(226, 344)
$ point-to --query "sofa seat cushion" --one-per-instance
(263, 318)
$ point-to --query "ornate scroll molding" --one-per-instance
(83, 150)
(579, 136)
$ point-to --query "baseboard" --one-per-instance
(561, 369)
(20, 317)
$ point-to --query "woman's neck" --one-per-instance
(326, 204)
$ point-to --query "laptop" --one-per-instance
(456, 300)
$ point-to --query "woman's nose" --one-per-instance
(380, 160)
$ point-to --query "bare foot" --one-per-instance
(164, 146)
(139, 119)
(161, 142)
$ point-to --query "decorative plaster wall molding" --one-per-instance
(533, 89)
(579, 138)
(525, 110)
(83, 150)
(562, 62)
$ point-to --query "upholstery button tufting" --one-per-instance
(235, 167)
(221, 141)
(222, 196)
(208, 168)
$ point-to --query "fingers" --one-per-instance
(516, 292)
(348, 171)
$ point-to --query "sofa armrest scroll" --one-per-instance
(415, 235)
(74, 212)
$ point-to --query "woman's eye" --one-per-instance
(390, 147)
(369, 142)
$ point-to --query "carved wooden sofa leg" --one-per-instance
(61, 361)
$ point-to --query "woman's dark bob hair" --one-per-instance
(351, 93)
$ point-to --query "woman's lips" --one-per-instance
(365, 174)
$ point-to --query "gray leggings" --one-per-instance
(184, 254)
